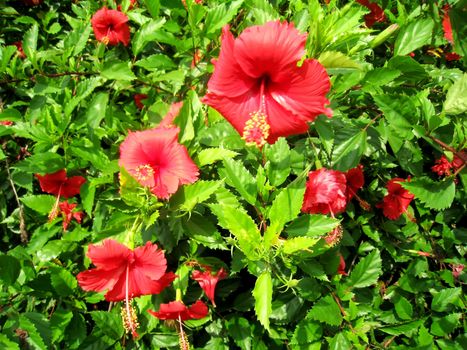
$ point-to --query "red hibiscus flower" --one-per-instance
(396, 202)
(341, 267)
(457, 270)
(208, 281)
(60, 185)
(126, 274)
(6, 122)
(156, 160)
(67, 210)
(442, 166)
(447, 28)
(452, 56)
(111, 27)
(138, 100)
(174, 110)
(325, 192)
(19, 47)
(258, 87)
(176, 310)
(355, 181)
(376, 13)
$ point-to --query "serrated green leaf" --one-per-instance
(339, 342)
(408, 328)
(240, 178)
(110, 323)
(42, 163)
(293, 245)
(349, 146)
(30, 41)
(278, 165)
(58, 323)
(366, 272)
(326, 310)
(157, 61)
(456, 98)
(204, 232)
(444, 298)
(63, 281)
(153, 7)
(263, 298)
(42, 203)
(336, 59)
(196, 193)
(242, 226)
(6, 343)
(443, 326)
(305, 333)
(413, 36)
(83, 90)
(117, 70)
(240, 330)
(262, 11)
(212, 155)
(220, 15)
(437, 195)
(147, 33)
(34, 338)
(311, 225)
(403, 308)
(96, 109)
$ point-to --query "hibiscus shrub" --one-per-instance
(239, 174)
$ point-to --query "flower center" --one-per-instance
(256, 130)
(144, 172)
(129, 317)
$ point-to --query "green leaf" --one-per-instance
(30, 41)
(110, 323)
(306, 333)
(348, 148)
(403, 308)
(339, 342)
(10, 269)
(293, 245)
(399, 111)
(278, 165)
(408, 328)
(240, 330)
(42, 163)
(87, 193)
(63, 281)
(239, 178)
(242, 226)
(96, 109)
(58, 323)
(147, 33)
(456, 98)
(53, 249)
(263, 298)
(211, 155)
(83, 90)
(326, 310)
(285, 207)
(262, 11)
(42, 203)
(6, 343)
(157, 61)
(311, 225)
(203, 232)
(220, 15)
(153, 7)
(437, 195)
(117, 70)
(443, 326)
(413, 36)
(195, 193)
(444, 298)
(336, 59)
(366, 272)
(34, 338)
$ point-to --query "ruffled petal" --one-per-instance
(98, 280)
(150, 261)
(72, 186)
(110, 255)
(228, 78)
(196, 311)
(304, 93)
(51, 183)
(269, 49)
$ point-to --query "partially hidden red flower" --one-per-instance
(132, 4)
(60, 185)
(452, 56)
(138, 100)
(329, 191)
(19, 47)
(176, 310)
(341, 267)
(157, 161)
(68, 213)
(442, 166)
(126, 274)
(208, 281)
(6, 122)
(447, 28)
(111, 27)
(259, 88)
(396, 202)
(33, 2)
(376, 13)
(174, 110)
(457, 270)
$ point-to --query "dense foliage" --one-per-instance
(347, 233)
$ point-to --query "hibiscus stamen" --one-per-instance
(54, 212)
(256, 130)
(130, 320)
(144, 172)
(334, 237)
(183, 341)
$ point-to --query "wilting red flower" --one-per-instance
(208, 281)
(19, 47)
(176, 310)
(67, 210)
(6, 122)
(174, 110)
(396, 202)
(156, 160)
(111, 27)
(442, 166)
(376, 13)
(138, 98)
(447, 28)
(258, 87)
(126, 274)
(341, 267)
(457, 270)
(60, 185)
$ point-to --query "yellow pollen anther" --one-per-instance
(130, 321)
(105, 40)
(144, 172)
(256, 130)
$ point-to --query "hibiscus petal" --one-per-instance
(268, 49)
(51, 183)
(72, 186)
(110, 255)
(228, 78)
(150, 261)
(196, 311)
(98, 280)
(304, 92)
